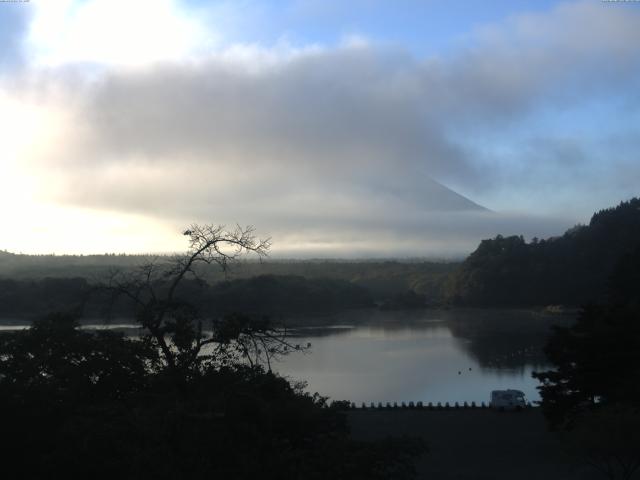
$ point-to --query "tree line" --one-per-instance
(275, 295)
(568, 270)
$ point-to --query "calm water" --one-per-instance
(429, 356)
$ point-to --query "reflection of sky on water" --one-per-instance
(11, 328)
(429, 356)
(459, 358)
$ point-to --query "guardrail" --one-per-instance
(346, 405)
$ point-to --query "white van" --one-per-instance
(507, 400)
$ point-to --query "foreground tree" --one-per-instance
(189, 342)
(593, 394)
(80, 404)
(56, 361)
(597, 360)
(608, 439)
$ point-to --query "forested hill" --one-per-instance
(567, 270)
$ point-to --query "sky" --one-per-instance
(366, 128)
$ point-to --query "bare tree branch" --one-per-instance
(175, 326)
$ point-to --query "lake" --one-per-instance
(425, 355)
(428, 356)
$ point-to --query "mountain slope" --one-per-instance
(424, 193)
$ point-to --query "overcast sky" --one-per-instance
(361, 128)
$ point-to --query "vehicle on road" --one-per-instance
(507, 400)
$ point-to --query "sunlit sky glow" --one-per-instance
(331, 126)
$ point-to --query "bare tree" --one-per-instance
(176, 327)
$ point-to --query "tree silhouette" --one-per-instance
(597, 360)
(56, 360)
(160, 292)
(593, 394)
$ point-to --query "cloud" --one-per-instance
(305, 128)
(114, 32)
(344, 148)
(416, 234)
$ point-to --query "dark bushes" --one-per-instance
(75, 404)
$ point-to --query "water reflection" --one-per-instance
(429, 356)
(437, 356)
(504, 340)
